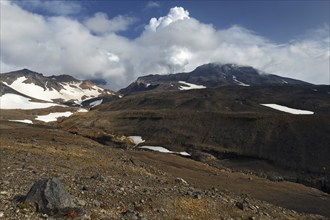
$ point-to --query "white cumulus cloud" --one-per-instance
(100, 23)
(175, 14)
(94, 48)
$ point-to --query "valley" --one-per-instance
(255, 146)
(107, 181)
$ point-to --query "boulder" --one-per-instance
(50, 197)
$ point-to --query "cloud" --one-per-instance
(175, 14)
(100, 23)
(153, 4)
(173, 43)
(57, 7)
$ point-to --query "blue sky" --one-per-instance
(121, 40)
(280, 21)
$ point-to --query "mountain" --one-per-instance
(284, 127)
(210, 75)
(217, 139)
(62, 89)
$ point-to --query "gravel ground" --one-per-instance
(112, 183)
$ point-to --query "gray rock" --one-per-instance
(96, 203)
(85, 188)
(198, 196)
(275, 178)
(98, 176)
(50, 197)
(241, 205)
(147, 191)
(99, 192)
(129, 214)
(180, 181)
(81, 202)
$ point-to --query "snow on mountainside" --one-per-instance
(189, 86)
(210, 75)
(14, 101)
(288, 110)
(25, 84)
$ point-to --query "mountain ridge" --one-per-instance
(211, 75)
(58, 89)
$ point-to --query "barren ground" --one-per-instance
(113, 183)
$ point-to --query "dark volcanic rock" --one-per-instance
(50, 197)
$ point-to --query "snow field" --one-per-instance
(14, 101)
(288, 110)
(136, 140)
(95, 103)
(53, 116)
(189, 86)
(163, 150)
(23, 121)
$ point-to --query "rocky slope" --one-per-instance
(228, 122)
(107, 182)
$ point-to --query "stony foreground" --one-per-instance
(111, 183)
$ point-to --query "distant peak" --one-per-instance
(225, 68)
(64, 78)
(26, 71)
(219, 65)
(214, 66)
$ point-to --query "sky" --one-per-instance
(118, 41)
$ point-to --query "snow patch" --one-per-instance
(163, 150)
(95, 103)
(239, 82)
(53, 116)
(288, 110)
(14, 101)
(78, 103)
(23, 121)
(136, 140)
(33, 90)
(74, 91)
(183, 153)
(156, 148)
(188, 86)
